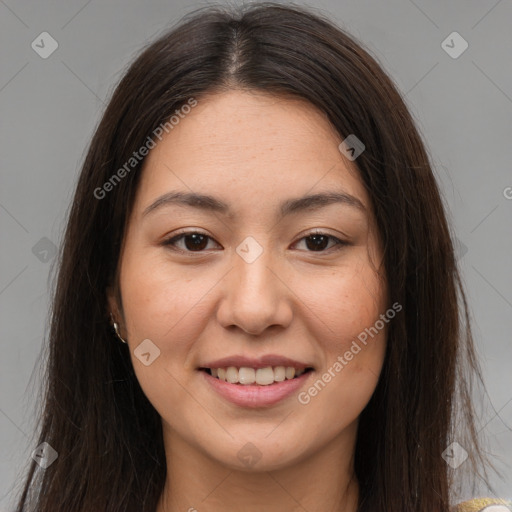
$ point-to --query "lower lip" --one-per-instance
(255, 395)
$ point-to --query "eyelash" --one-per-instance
(171, 242)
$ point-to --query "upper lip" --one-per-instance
(260, 362)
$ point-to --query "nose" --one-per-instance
(255, 295)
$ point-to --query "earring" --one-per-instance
(116, 327)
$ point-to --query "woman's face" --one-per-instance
(255, 288)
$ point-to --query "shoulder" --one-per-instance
(484, 505)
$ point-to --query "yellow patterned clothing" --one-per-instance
(485, 505)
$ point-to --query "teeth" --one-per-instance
(247, 375)
(232, 375)
(265, 376)
(260, 376)
(279, 373)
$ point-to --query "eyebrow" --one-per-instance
(290, 206)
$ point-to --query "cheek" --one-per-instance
(342, 302)
(344, 311)
(354, 351)
(164, 306)
(161, 303)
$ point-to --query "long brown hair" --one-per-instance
(107, 434)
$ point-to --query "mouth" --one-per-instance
(262, 387)
(248, 376)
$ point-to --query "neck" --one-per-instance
(320, 482)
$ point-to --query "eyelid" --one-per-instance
(167, 242)
(339, 242)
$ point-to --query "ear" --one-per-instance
(115, 310)
(112, 305)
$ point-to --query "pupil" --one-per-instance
(318, 242)
(199, 241)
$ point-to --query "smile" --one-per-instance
(252, 394)
(259, 376)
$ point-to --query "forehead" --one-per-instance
(252, 148)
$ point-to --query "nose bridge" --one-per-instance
(253, 261)
(254, 298)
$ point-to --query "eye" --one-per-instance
(317, 241)
(195, 241)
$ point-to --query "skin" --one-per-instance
(253, 151)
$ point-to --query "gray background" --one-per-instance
(49, 108)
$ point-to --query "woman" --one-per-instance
(257, 305)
